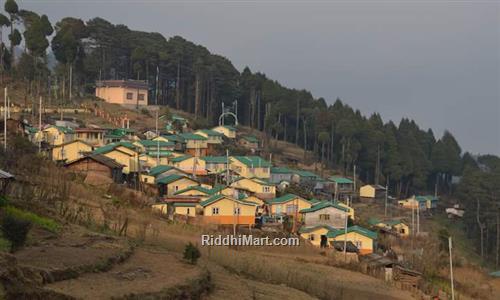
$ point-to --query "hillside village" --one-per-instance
(122, 150)
(189, 176)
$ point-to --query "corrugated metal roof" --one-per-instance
(5, 175)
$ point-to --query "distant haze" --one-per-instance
(437, 62)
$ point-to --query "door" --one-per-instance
(324, 241)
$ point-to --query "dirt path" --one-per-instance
(231, 286)
(146, 271)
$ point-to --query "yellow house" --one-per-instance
(399, 227)
(226, 130)
(171, 184)
(161, 208)
(92, 136)
(362, 238)
(149, 160)
(185, 208)
(215, 164)
(57, 135)
(158, 172)
(149, 146)
(288, 204)
(250, 166)
(259, 187)
(124, 92)
(350, 213)
(316, 235)
(70, 151)
(212, 136)
(372, 191)
(195, 144)
(221, 209)
(197, 190)
(396, 226)
(122, 152)
(189, 164)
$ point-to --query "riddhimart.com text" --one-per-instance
(247, 240)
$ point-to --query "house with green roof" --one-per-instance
(226, 210)
(215, 164)
(213, 138)
(364, 239)
(196, 190)
(250, 142)
(147, 146)
(342, 184)
(325, 213)
(430, 201)
(124, 153)
(158, 172)
(227, 130)
(189, 164)
(251, 166)
(280, 174)
(256, 186)
(305, 176)
(171, 184)
(195, 144)
(288, 204)
(316, 235)
(57, 135)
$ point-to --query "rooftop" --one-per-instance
(324, 204)
(136, 84)
(341, 180)
(253, 161)
(215, 159)
(357, 229)
(284, 198)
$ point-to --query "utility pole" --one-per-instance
(418, 219)
(354, 178)
(436, 187)
(451, 269)
(386, 192)
(413, 216)
(70, 82)
(157, 140)
(157, 79)
(5, 120)
(345, 237)
(40, 123)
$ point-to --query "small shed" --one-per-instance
(97, 165)
(372, 191)
(5, 179)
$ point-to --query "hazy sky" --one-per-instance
(437, 62)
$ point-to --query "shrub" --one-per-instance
(46, 223)
(191, 253)
(3, 201)
(16, 231)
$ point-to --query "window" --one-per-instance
(237, 211)
(188, 211)
(267, 189)
(324, 217)
(130, 96)
(176, 188)
(311, 237)
(145, 179)
(140, 97)
(215, 210)
(291, 208)
(358, 244)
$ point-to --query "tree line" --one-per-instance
(188, 77)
